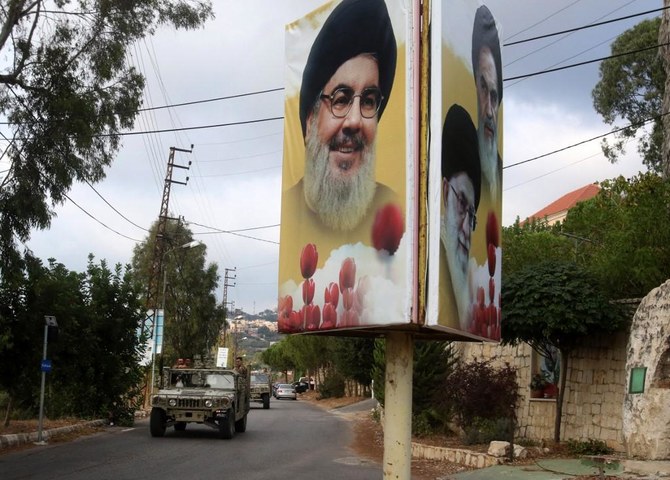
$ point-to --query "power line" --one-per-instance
(216, 99)
(550, 70)
(237, 229)
(584, 27)
(112, 207)
(94, 218)
(638, 124)
(543, 20)
(235, 232)
(182, 129)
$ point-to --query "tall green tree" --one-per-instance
(433, 361)
(67, 91)
(631, 88)
(623, 234)
(526, 243)
(96, 356)
(559, 304)
(193, 319)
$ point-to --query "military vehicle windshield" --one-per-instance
(201, 379)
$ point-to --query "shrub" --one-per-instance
(590, 446)
(485, 430)
(476, 390)
(332, 386)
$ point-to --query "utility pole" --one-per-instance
(226, 283)
(664, 49)
(159, 242)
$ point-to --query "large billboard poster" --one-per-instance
(465, 171)
(346, 237)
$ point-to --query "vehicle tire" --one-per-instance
(157, 422)
(241, 425)
(227, 425)
(180, 426)
(266, 401)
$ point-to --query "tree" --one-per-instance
(433, 361)
(193, 319)
(525, 244)
(664, 46)
(96, 357)
(625, 235)
(631, 87)
(556, 303)
(67, 90)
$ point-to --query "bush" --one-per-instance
(485, 430)
(332, 386)
(476, 390)
(588, 447)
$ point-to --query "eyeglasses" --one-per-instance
(342, 98)
(464, 208)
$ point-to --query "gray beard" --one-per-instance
(488, 153)
(340, 204)
(458, 270)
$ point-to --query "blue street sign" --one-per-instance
(46, 365)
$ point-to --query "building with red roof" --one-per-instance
(557, 210)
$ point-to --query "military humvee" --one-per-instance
(261, 388)
(216, 397)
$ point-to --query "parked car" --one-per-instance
(285, 390)
(300, 387)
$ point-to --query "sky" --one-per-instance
(235, 173)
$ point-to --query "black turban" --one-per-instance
(485, 34)
(460, 150)
(354, 27)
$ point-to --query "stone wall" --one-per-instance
(646, 415)
(595, 390)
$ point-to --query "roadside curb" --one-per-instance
(22, 438)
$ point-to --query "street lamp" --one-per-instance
(191, 244)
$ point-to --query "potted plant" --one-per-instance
(537, 386)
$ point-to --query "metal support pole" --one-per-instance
(153, 352)
(40, 441)
(398, 406)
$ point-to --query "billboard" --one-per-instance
(465, 171)
(347, 227)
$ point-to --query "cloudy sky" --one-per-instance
(235, 176)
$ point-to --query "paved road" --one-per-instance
(291, 440)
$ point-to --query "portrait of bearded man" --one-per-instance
(332, 201)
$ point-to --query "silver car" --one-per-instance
(285, 390)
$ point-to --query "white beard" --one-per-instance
(458, 269)
(488, 154)
(341, 204)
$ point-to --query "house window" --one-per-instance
(545, 366)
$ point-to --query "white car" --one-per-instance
(285, 390)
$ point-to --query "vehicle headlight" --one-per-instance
(209, 403)
(156, 400)
(172, 402)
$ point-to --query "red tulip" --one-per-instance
(296, 321)
(329, 316)
(349, 319)
(491, 254)
(492, 289)
(348, 298)
(347, 274)
(332, 294)
(388, 228)
(481, 296)
(312, 317)
(492, 230)
(285, 304)
(308, 287)
(308, 259)
(283, 324)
